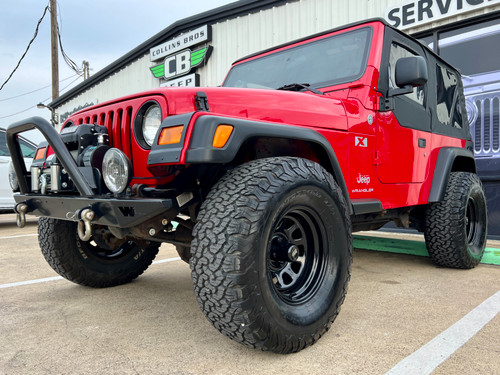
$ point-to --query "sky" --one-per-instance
(98, 31)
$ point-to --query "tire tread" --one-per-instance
(57, 240)
(223, 293)
(444, 232)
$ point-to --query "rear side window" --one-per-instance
(447, 91)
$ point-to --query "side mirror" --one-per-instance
(411, 71)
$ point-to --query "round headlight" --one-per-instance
(14, 183)
(116, 170)
(472, 111)
(150, 123)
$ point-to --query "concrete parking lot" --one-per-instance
(402, 314)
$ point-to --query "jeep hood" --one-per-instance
(284, 107)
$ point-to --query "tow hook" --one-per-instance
(21, 210)
(84, 225)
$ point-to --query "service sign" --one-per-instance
(417, 12)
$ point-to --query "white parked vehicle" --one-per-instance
(28, 149)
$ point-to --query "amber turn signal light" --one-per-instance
(40, 153)
(221, 136)
(171, 135)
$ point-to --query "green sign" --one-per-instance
(181, 63)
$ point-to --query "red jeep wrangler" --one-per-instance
(261, 182)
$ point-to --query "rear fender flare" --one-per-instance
(450, 159)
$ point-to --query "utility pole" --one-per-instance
(86, 70)
(54, 49)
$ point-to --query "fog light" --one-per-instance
(14, 183)
(116, 170)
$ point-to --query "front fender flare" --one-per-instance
(200, 149)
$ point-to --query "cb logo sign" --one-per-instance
(181, 63)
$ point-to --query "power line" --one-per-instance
(42, 101)
(18, 113)
(69, 84)
(72, 65)
(27, 48)
(66, 58)
(31, 92)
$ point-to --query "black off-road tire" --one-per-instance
(271, 254)
(455, 229)
(88, 263)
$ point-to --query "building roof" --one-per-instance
(225, 12)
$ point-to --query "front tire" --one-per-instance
(103, 261)
(271, 254)
(455, 228)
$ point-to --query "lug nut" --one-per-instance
(293, 253)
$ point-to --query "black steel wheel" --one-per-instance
(455, 229)
(271, 254)
(103, 261)
(298, 255)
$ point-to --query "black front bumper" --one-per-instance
(122, 213)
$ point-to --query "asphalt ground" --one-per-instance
(402, 315)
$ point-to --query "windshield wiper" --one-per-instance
(300, 86)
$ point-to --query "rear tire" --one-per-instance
(455, 228)
(101, 262)
(271, 254)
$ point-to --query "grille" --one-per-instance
(116, 120)
(484, 119)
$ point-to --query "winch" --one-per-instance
(87, 144)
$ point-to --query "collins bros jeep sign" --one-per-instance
(177, 60)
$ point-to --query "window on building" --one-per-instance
(465, 48)
(473, 50)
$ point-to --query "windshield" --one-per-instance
(337, 59)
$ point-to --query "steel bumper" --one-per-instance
(115, 212)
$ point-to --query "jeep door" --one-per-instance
(404, 121)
